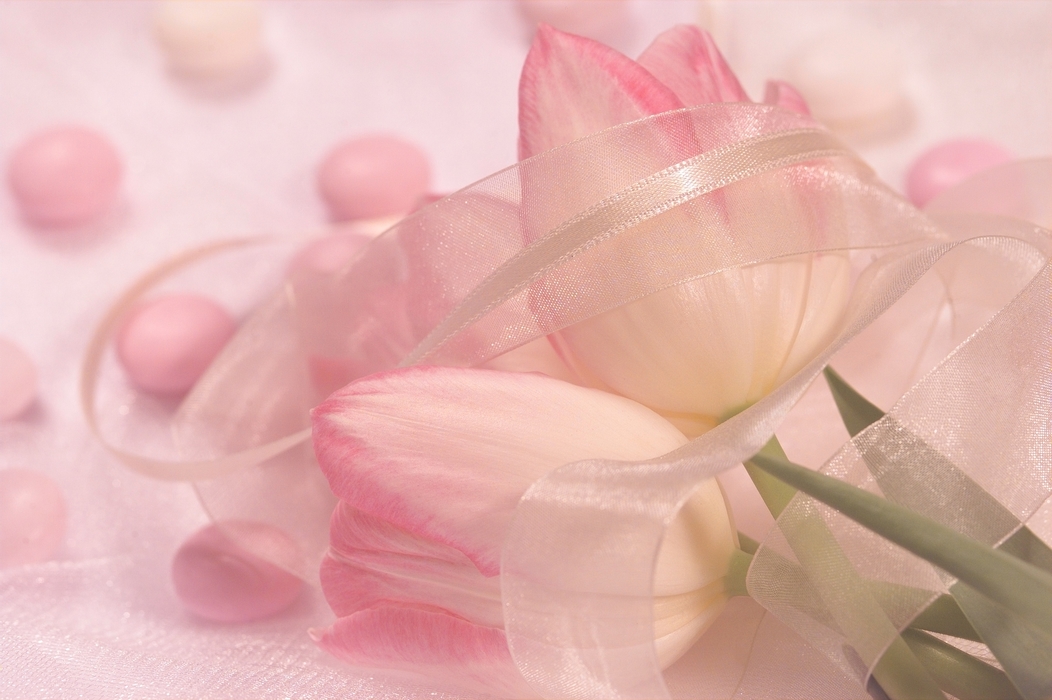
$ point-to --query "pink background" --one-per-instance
(101, 620)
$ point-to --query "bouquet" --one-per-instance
(522, 393)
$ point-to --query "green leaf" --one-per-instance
(1002, 631)
(736, 573)
(776, 494)
(747, 544)
(1023, 646)
(856, 411)
(1019, 586)
(959, 673)
(945, 616)
(898, 672)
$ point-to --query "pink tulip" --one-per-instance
(706, 348)
(429, 464)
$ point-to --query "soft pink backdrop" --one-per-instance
(102, 620)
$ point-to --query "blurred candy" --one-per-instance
(216, 576)
(32, 517)
(18, 380)
(373, 176)
(166, 344)
(64, 176)
(210, 38)
(329, 253)
(604, 20)
(950, 163)
(852, 81)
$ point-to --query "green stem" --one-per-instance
(775, 492)
(944, 616)
(954, 671)
(1018, 642)
(1019, 586)
(900, 675)
(748, 544)
(736, 573)
(856, 411)
(959, 673)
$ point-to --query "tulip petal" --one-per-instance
(707, 347)
(784, 95)
(679, 621)
(370, 562)
(686, 60)
(572, 87)
(445, 453)
(698, 544)
(428, 641)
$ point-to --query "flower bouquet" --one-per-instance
(522, 393)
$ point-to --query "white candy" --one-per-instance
(210, 38)
(852, 81)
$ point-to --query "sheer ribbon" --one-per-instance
(613, 220)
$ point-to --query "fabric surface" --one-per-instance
(102, 621)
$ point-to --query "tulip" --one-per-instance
(707, 348)
(429, 464)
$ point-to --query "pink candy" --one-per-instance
(166, 344)
(329, 253)
(18, 380)
(65, 176)
(218, 579)
(32, 517)
(948, 164)
(373, 176)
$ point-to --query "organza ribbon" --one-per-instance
(614, 219)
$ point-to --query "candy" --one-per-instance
(852, 81)
(32, 517)
(165, 345)
(64, 176)
(373, 176)
(18, 380)
(209, 39)
(948, 164)
(329, 253)
(216, 576)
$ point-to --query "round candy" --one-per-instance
(210, 39)
(373, 176)
(851, 81)
(948, 164)
(32, 517)
(216, 577)
(329, 253)
(64, 176)
(166, 344)
(18, 380)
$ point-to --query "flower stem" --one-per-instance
(944, 616)
(856, 411)
(957, 672)
(776, 493)
(736, 573)
(748, 544)
(1019, 643)
(1019, 586)
(898, 672)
